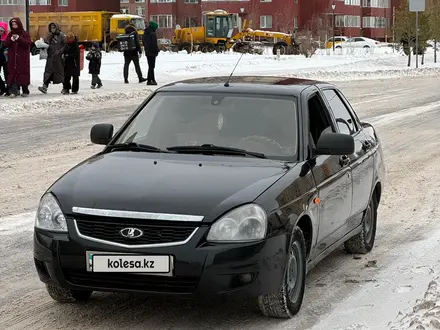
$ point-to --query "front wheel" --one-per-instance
(67, 296)
(363, 242)
(287, 303)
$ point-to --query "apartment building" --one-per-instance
(12, 8)
(41, 6)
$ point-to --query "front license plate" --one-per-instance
(129, 263)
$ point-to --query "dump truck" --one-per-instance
(217, 33)
(88, 26)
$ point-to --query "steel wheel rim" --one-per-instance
(368, 224)
(294, 274)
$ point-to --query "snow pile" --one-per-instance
(382, 63)
(426, 312)
(52, 103)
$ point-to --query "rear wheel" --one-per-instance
(287, 302)
(363, 242)
(67, 296)
(282, 46)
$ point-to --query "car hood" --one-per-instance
(166, 183)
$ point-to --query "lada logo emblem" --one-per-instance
(131, 232)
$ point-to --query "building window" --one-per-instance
(191, 1)
(375, 22)
(265, 0)
(10, 2)
(266, 22)
(63, 3)
(377, 3)
(44, 2)
(125, 1)
(139, 1)
(347, 21)
(161, 1)
(140, 10)
(352, 2)
(164, 21)
(295, 1)
(190, 22)
(295, 22)
(124, 10)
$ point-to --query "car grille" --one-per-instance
(155, 232)
(179, 284)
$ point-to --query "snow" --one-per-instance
(405, 294)
(381, 63)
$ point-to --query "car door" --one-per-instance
(360, 162)
(332, 176)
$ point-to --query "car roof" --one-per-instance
(244, 84)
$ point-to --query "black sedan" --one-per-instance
(215, 189)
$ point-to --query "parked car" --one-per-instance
(338, 41)
(215, 187)
(359, 42)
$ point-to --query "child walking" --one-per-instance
(94, 58)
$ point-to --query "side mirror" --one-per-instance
(335, 144)
(101, 133)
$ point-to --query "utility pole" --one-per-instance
(27, 10)
(417, 6)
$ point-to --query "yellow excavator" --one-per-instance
(217, 34)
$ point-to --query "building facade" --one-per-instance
(12, 8)
(42, 6)
(135, 7)
(351, 18)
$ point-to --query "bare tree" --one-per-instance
(285, 17)
(253, 19)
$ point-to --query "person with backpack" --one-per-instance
(151, 50)
(94, 57)
(72, 68)
(133, 55)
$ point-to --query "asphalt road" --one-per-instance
(34, 151)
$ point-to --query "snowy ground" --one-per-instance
(396, 287)
(353, 64)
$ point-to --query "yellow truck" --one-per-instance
(88, 26)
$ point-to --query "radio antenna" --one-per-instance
(227, 81)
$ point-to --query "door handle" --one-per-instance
(366, 145)
(344, 160)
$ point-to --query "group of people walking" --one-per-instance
(63, 58)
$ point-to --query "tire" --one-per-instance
(67, 296)
(363, 242)
(280, 45)
(287, 303)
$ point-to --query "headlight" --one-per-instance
(49, 215)
(245, 223)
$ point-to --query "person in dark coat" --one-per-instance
(72, 69)
(18, 43)
(3, 59)
(54, 70)
(133, 55)
(151, 50)
(94, 57)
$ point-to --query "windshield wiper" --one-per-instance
(133, 146)
(213, 149)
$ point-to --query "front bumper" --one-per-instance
(200, 269)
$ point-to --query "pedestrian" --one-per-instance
(72, 68)
(54, 70)
(3, 60)
(94, 57)
(18, 43)
(151, 50)
(133, 55)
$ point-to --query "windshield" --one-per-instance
(139, 23)
(258, 123)
(218, 26)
